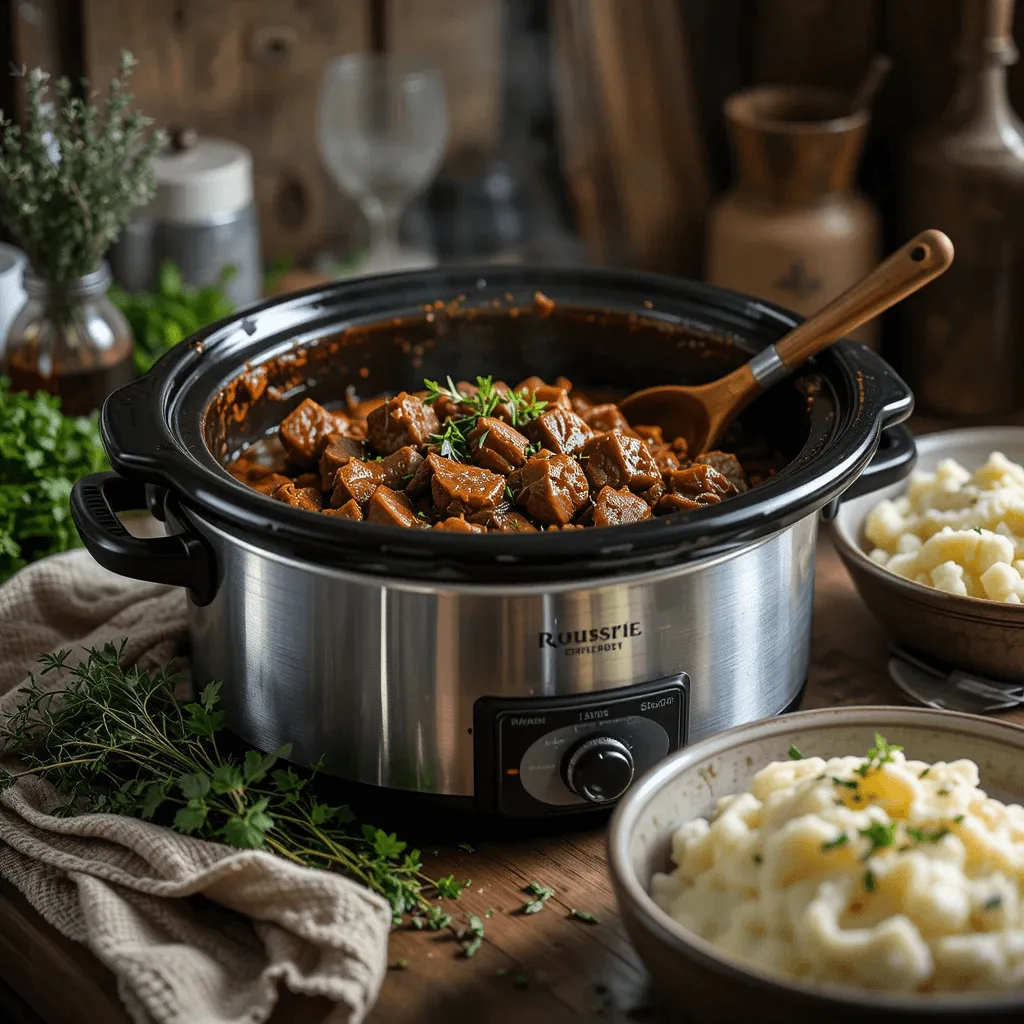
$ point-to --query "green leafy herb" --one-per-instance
(71, 179)
(466, 848)
(924, 772)
(399, 965)
(115, 740)
(944, 792)
(920, 835)
(846, 783)
(474, 935)
(795, 755)
(958, 818)
(42, 454)
(834, 844)
(582, 915)
(993, 902)
(451, 442)
(977, 529)
(525, 407)
(160, 320)
(869, 880)
(881, 753)
(541, 893)
(880, 836)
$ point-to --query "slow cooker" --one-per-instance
(524, 675)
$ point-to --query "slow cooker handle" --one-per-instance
(894, 459)
(178, 560)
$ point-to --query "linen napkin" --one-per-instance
(195, 932)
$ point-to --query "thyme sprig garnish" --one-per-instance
(453, 440)
(541, 894)
(115, 740)
(881, 753)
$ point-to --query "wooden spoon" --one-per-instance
(700, 414)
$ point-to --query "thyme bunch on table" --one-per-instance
(71, 179)
(115, 740)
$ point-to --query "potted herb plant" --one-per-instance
(69, 182)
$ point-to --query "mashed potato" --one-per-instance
(957, 531)
(878, 872)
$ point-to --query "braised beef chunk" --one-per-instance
(607, 417)
(551, 489)
(664, 458)
(550, 394)
(504, 520)
(356, 481)
(651, 434)
(392, 508)
(483, 458)
(614, 459)
(697, 480)
(400, 467)
(400, 421)
(496, 445)
(350, 510)
(614, 507)
(308, 498)
(457, 488)
(726, 464)
(561, 431)
(340, 449)
(305, 432)
(456, 524)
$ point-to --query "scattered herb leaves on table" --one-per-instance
(161, 319)
(42, 453)
(115, 740)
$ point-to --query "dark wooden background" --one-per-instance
(636, 88)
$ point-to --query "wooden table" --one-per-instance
(546, 967)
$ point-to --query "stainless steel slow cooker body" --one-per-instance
(534, 674)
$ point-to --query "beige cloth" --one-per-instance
(195, 932)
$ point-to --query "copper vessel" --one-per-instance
(794, 229)
(965, 175)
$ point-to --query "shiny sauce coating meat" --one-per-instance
(486, 458)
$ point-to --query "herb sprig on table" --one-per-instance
(116, 740)
(42, 454)
(161, 319)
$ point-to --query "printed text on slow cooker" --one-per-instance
(596, 640)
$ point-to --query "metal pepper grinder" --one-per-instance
(202, 217)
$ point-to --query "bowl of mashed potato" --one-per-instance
(939, 559)
(841, 865)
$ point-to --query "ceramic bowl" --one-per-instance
(690, 975)
(968, 633)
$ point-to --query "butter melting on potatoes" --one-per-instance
(485, 457)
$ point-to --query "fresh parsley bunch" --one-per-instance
(160, 319)
(42, 454)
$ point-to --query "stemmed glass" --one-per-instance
(382, 128)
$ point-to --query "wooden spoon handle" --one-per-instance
(911, 267)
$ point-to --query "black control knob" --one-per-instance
(598, 769)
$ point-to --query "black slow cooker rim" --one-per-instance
(146, 438)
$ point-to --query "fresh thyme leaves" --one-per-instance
(532, 448)
(869, 880)
(944, 792)
(994, 902)
(924, 772)
(846, 783)
(542, 894)
(509, 493)
(71, 179)
(881, 753)
(833, 844)
(958, 818)
(451, 441)
(582, 915)
(115, 740)
(921, 835)
(795, 755)
(525, 407)
(42, 454)
(880, 836)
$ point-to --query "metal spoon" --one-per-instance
(700, 414)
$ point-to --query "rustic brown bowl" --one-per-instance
(969, 633)
(689, 974)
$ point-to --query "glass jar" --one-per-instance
(69, 339)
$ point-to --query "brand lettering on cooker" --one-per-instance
(532, 720)
(595, 635)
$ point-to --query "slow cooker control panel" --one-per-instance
(555, 755)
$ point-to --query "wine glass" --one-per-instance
(382, 128)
